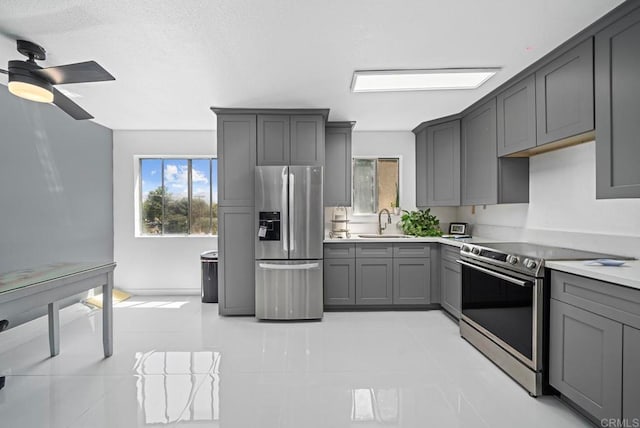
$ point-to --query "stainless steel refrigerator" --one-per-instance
(289, 216)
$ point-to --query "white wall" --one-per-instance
(563, 209)
(399, 144)
(154, 265)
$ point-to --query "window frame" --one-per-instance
(375, 157)
(138, 194)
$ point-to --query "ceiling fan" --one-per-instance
(28, 80)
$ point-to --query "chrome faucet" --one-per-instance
(380, 227)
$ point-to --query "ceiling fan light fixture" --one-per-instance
(23, 84)
(29, 91)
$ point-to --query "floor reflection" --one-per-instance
(375, 405)
(170, 386)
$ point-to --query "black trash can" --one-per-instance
(209, 261)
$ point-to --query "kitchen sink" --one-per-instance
(387, 236)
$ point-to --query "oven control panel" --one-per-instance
(500, 258)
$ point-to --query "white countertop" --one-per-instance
(628, 274)
(437, 239)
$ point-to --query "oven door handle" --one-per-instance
(496, 274)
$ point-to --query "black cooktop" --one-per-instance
(546, 252)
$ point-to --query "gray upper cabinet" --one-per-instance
(337, 172)
(443, 164)
(411, 281)
(564, 95)
(517, 117)
(290, 140)
(617, 67)
(236, 277)
(236, 159)
(421, 169)
(631, 374)
(374, 281)
(585, 359)
(513, 180)
(307, 140)
(273, 140)
(479, 161)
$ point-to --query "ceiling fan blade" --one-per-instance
(69, 107)
(81, 72)
(4, 71)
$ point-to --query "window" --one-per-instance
(375, 184)
(179, 196)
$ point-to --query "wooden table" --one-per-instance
(26, 289)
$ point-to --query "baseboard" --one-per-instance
(162, 291)
(369, 308)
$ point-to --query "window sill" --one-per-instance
(175, 236)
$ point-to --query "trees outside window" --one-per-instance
(179, 196)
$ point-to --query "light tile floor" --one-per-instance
(177, 363)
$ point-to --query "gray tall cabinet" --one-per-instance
(236, 164)
(617, 67)
(246, 138)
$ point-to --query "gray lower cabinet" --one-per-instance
(479, 160)
(411, 285)
(443, 164)
(337, 171)
(631, 374)
(517, 117)
(236, 276)
(585, 359)
(450, 287)
(594, 345)
(374, 281)
(340, 281)
(378, 273)
(564, 95)
(617, 67)
(236, 159)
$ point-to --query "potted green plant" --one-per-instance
(420, 223)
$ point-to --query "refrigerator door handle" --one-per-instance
(292, 210)
(303, 266)
(285, 214)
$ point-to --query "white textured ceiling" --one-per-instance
(174, 59)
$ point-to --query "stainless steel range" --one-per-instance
(505, 304)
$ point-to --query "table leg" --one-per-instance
(107, 315)
(54, 328)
